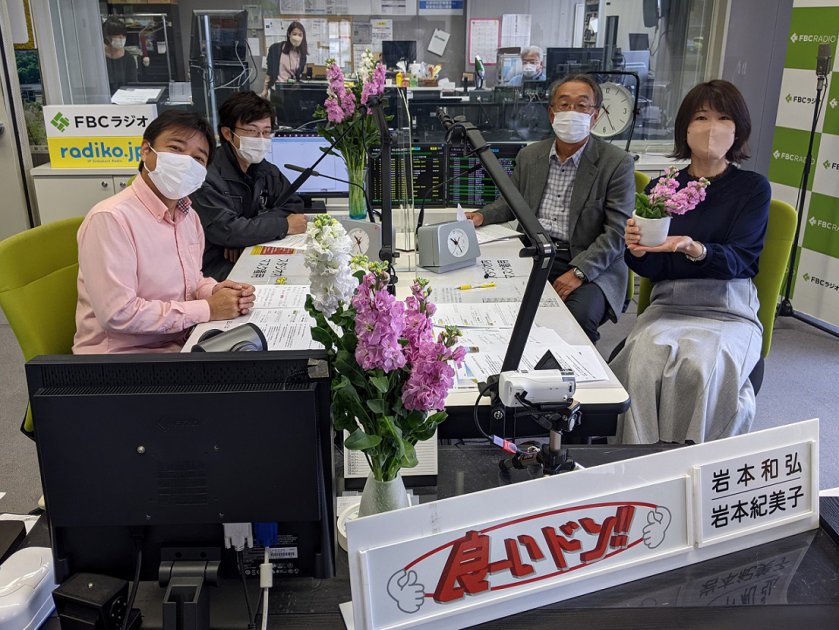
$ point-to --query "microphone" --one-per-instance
(428, 189)
(313, 173)
(823, 61)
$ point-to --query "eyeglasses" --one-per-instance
(250, 132)
(582, 107)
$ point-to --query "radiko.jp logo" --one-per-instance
(60, 122)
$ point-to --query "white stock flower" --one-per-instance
(327, 258)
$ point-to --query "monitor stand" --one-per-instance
(186, 603)
(313, 206)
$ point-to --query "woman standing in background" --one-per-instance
(287, 60)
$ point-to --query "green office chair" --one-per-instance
(772, 267)
(641, 181)
(38, 274)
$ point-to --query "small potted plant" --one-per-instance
(653, 211)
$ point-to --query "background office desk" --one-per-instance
(601, 400)
(787, 583)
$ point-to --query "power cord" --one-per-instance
(505, 445)
(134, 585)
(266, 581)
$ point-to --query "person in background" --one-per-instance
(687, 361)
(532, 68)
(122, 68)
(243, 201)
(140, 284)
(582, 192)
(287, 60)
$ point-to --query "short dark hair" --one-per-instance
(578, 78)
(243, 107)
(724, 97)
(111, 28)
(175, 119)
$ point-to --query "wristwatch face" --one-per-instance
(579, 274)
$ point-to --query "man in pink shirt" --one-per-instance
(140, 282)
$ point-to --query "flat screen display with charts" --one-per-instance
(304, 149)
(477, 189)
(428, 163)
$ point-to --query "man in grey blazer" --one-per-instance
(582, 191)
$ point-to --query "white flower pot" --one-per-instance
(382, 496)
(653, 231)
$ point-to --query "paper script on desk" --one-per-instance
(284, 328)
(495, 232)
(293, 241)
(508, 292)
(280, 296)
(266, 268)
(499, 315)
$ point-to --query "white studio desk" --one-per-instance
(601, 397)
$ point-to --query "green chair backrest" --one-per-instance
(641, 181)
(772, 266)
(38, 275)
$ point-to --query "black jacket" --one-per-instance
(240, 209)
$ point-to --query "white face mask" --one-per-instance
(530, 70)
(295, 40)
(117, 42)
(571, 126)
(253, 150)
(176, 175)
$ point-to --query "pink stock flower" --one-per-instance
(379, 322)
(432, 375)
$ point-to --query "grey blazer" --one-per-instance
(601, 202)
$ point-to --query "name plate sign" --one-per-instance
(461, 561)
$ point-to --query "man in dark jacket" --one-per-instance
(240, 201)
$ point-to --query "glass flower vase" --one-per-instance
(382, 496)
(356, 171)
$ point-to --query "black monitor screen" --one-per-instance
(560, 62)
(163, 449)
(477, 189)
(639, 41)
(295, 103)
(428, 162)
(396, 51)
(219, 37)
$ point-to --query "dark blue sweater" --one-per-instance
(730, 222)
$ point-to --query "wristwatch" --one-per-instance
(579, 273)
(701, 256)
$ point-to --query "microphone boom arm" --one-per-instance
(541, 248)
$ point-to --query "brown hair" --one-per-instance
(724, 97)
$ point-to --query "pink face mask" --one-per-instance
(710, 140)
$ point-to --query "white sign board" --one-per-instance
(481, 556)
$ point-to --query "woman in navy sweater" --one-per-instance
(687, 361)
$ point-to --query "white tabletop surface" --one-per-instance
(558, 318)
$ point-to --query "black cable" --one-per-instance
(481, 394)
(240, 561)
(134, 585)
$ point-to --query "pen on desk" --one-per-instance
(485, 285)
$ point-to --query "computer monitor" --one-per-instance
(396, 51)
(639, 41)
(428, 163)
(303, 148)
(560, 62)
(637, 61)
(156, 451)
(477, 189)
(295, 103)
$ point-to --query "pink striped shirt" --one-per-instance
(140, 283)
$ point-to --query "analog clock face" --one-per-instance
(458, 243)
(360, 241)
(616, 112)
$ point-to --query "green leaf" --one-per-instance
(377, 406)
(322, 336)
(409, 459)
(361, 441)
(380, 383)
